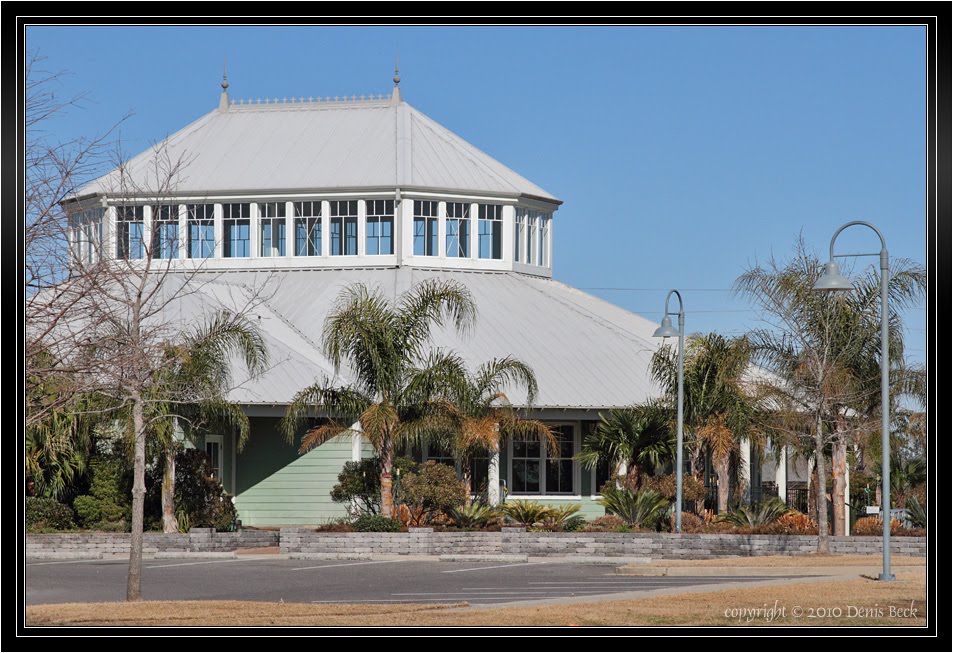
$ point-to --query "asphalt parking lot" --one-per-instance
(274, 579)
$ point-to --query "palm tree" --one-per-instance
(825, 351)
(718, 411)
(398, 392)
(198, 376)
(481, 412)
(640, 437)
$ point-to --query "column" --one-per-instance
(361, 228)
(493, 479)
(183, 232)
(442, 229)
(289, 229)
(509, 225)
(254, 229)
(475, 231)
(109, 232)
(745, 472)
(147, 228)
(219, 231)
(407, 225)
(781, 473)
(325, 228)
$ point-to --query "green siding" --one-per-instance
(277, 486)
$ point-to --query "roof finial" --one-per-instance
(395, 97)
(223, 101)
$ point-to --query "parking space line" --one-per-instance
(209, 562)
(63, 562)
(512, 564)
(347, 564)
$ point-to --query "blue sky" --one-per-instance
(683, 154)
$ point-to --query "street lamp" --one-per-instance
(833, 280)
(666, 330)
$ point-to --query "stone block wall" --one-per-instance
(96, 544)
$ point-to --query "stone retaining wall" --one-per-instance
(198, 539)
(514, 542)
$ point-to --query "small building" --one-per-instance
(298, 198)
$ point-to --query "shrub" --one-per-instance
(792, 523)
(757, 515)
(475, 515)
(916, 512)
(691, 523)
(606, 524)
(692, 488)
(564, 517)
(644, 509)
(338, 525)
(359, 484)
(376, 524)
(197, 495)
(107, 507)
(433, 490)
(43, 513)
(873, 526)
(526, 512)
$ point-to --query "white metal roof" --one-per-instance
(320, 146)
(585, 352)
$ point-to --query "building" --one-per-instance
(302, 197)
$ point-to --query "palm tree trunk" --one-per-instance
(722, 471)
(169, 523)
(134, 580)
(823, 536)
(838, 492)
(387, 494)
(467, 478)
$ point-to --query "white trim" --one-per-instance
(234, 466)
(220, 440)
(356, 444)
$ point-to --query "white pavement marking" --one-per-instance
(62, 562)
(512, 564)
(347, 564)
(209, 562)
(496, 593)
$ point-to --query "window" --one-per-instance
(272, 228)
(213, 449)
(440, 454)
(165, 232)
(380, 227)
(236, 223)
(458, 229)
(491, 231)
(307, 228)
(200, 220)
(130, 229)
(86, 234)
(559, 464)
(344, 228)
(526, 465)
(533, 239)
(519, 235)
(425, 228)
(603, 471)
(544, 219)
(539, 469)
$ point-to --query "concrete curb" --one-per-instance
(327, 556)
(746, 571)
(483, 558)
(63, 555)
(172, 555)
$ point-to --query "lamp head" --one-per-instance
(666, 330)
(832, 279)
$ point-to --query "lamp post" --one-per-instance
(833, 280)
(666, 330)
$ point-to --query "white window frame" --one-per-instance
(519, 235)
(231, 220)
(207, 219)
(124, 237)
(157, 223)
(430, 221)
(335, 214)
(495, 221)
(461, 217)
(376, 217)
(313, 225)
(543, 493)
(273, 222)
(220, 440)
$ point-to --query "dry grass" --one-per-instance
(692, 609)
(810, 560)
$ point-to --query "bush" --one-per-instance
(475, 515)
(376, 524)
(607, 524)
(526, 512)
(197, 495)
(692, 488)
(916, 512)
(564, 517)
(691, 523)
(339, 525)
(792, 523)
(757, 515)
(359, 484)
(644, 509)
(873, 526)
(43, 513)
(107, 507)
(432, 491)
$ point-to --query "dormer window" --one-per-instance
(165, 232)
(344, 228)
(380, 227)
(272, 228)
(130, 230)
(200, 221)
(458, 229)
(307, 228)
(236, 223)
(425, 228)
(491, 231)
